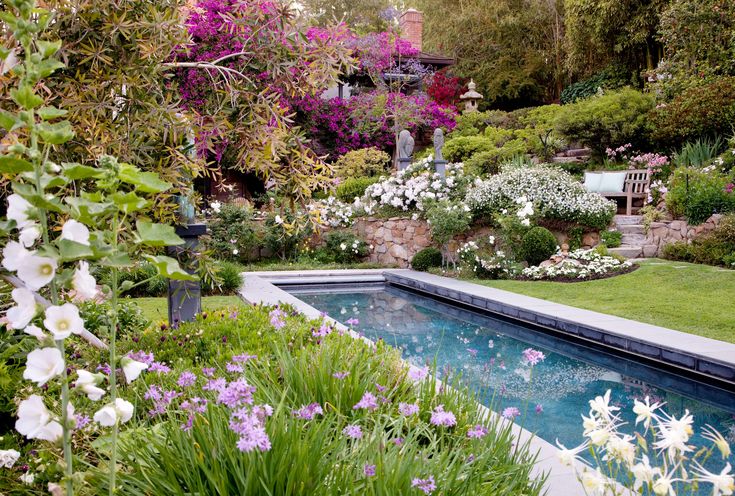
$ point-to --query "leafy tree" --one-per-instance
(363, 16)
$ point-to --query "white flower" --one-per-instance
(8, 458)
(664, 485)
(75, 231)
(124, 410)
(85, 287)
(644, 410)
(594, 482)
(673, 435)
(43, 364)
(526, 222)
(35, 331)
(278, 220)
(601, 406)
(643, 473)
(132, 368)
(87, 383)
(235, 251)
(712, 435)
(14, 255)
(34, 420)
(25, 309)
(621, 449)
(216, 207)
(28, 478)
(722, 483)
(29, 235)
(37, 271)
(567, 457)
(63, 320)
(18, 209)
(106, 416)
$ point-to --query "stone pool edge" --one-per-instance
(561, 480)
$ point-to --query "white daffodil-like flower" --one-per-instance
(87, 383)
(568, 457)
(43, 364)
(25, 309)
(722, 483)
(132, 368)
(644, 411)
(120, 411)
(35, 422)
(8, 458)
(36, 272)
(29, 234)
(18, 210)
(601, 406)
(620, 449)
(594, 482)
(643, 473)
(75, 231)
(35, 331)
(718, 440)
(85, 287)
(64, 320)
(14, 255)
(673, 434)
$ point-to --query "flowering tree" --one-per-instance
(54, 233)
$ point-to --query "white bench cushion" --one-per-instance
(612, 182)
(592, 181)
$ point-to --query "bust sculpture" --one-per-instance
(405, 145)
(438, 144)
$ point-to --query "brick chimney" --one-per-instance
(411, 24)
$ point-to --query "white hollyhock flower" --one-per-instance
(106, 416)
(36, 332)
(29, 235)
(18, 209)
(75, 231)
(34, 420)
(132, 368)
(14, 255)
(8, 458)
(83, 282)
(87, 383)
(36, 272)
(43, 364)
(25, 309)
(63, 320)
(124, 410)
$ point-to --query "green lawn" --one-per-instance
(155, 309)
(698, 299)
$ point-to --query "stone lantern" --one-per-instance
(471, 98)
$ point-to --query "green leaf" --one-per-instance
(48, 67)
(71, 250)
(153, 234)
(119, 260)
(57, 133)
(148, 182)
(85, 210)
(48, 202)
(13, 165)
(75, 171)
(48, 48)
(128, 202)
(50, 113)
(169, 267)
(25, 97)
(7, 120)
(49, 181)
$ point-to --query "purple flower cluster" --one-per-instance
(142, 356)
(186, 379)
(340, 375)
(277, 317)
(408, 409)
(353, 431)
(308, 412)
(511, 412)
(369, 470)
(161, 398)
(418, 374)
(324, 330)
(532, 356)
(368, 402)
(249, 424)
(477, 432)
(159, 367)
(236, 393)
(427, 485)
(441, 417)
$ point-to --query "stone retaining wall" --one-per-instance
(666, 232)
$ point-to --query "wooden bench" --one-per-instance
(636, 185)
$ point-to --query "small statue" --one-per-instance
(438, 144)
(405, 145)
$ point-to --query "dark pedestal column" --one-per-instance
(185, 297)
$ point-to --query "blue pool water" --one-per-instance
(488, 354)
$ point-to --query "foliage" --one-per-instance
(426, 259)
(229, 278)
(354, 187)
(607, 121)
(362, 162)
(699, 153)
(280, 234)
(462, 148)
(704, 111)
(580, 264)
(482, 259)
(611, 78)
(554, 192)
(444, 88)
(611, 239)
(474, 123)
(96, 320)
(446, 220)
(485, 163)
(714, 248)
(697, 195)
(537, 245)
(232, 234)
(344, 247)
(371, 15)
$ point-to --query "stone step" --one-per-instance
(634, 239)
(623, 220)
(631, 229)
(578, 152)
(566, 160)
(627, 251)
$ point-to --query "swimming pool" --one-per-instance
(487, 352)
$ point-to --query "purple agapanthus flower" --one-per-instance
(340, 375)
(533, 357)
(441, 417)
(353, 431)
(215, 385)
(308, 412)
(81, 421)
(186, 379)
(408, 409)
(477, 432)
(368, 402)
(234, 368)
(159, 367)
(369, 470)
(426, 485)
(208, 371)
(324, 330)
(236, 393)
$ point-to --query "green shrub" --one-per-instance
(699, 153)
(354, 187)
(130, 317)
(461, 148)
(144, 277)
(361, 163)
(344, 247)
(446, 220)
(279, 235)
(608, 79)
(714, 248)
(426, 259)
(474, 123)
(611, 239)
(232, 234)
(703, 111)
(537, 245)
(610, 120)
(697, 195)
(230, 278)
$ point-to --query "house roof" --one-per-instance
(434, 59)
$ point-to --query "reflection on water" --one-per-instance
(488, 354)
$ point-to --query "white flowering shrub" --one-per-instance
(579, 264)
(556, 194)
(411, 188)
(484, 260)
(331, 212)
(657, 459)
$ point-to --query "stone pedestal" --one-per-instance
(403, 163)
(441, 168)
(185, 297)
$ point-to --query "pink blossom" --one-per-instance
(353, 431)
(369, 470)
(441, 417)
(477, 432)
(532, 356)
(511, 412)
(308, 412)
(418, 374)
(340, 375)
(368, 402)
(186, 379)
(408, 409)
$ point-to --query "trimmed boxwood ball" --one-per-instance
(426, 259)
(537, 245)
